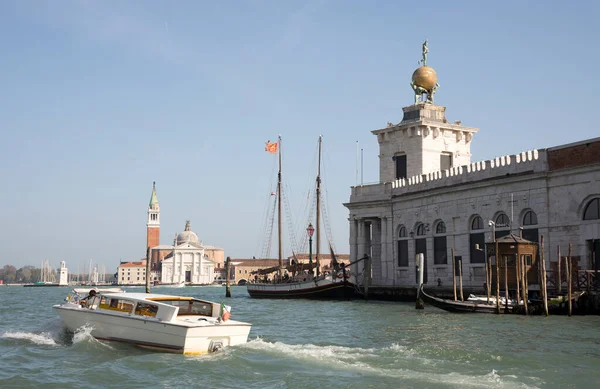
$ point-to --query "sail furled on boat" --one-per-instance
(334, 262)
(271, 147)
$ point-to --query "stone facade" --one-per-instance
(544, 192)
(132, 273)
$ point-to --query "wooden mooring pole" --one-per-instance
(488, 277)
(420, 264)
(227, 286)
(523, 283)
(559, 278)
(453, 273)
(506, 296)
(569, 278)
(367, 275)
(460, 279)
(497, 275)
(518, 276)
(543, 277)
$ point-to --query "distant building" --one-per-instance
(132, 273)
(242, 269)
(187, 260)
(63, 275)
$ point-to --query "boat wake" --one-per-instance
(43, 338)
(391, 362)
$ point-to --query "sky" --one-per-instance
(101, 98)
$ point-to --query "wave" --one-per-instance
(44, 338)
(394, 361)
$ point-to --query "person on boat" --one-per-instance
(87, 298)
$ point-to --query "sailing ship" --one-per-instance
(338, 283)
(47, 276)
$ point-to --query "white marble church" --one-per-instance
(431, 198)
(187, 262)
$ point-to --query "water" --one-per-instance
(307, 344)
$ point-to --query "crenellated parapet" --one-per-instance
(499, 167)
(475, 171)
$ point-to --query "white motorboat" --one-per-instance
(177, 324)
(175, 285)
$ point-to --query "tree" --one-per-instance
(10, 273)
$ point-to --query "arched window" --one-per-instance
(440, 250)
(440, 228)
(477, 223)
(402, 247)
(477, 240)
(502, 225)
(592, 210)
(502, 221)
(402, 232)
(421, 248)
(530, 219)
(530, 231)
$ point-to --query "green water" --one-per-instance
(307, 344)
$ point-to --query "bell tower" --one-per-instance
(153, 223)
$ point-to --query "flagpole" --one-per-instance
(356, 163)
(361, 167)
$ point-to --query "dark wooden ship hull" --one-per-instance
(340, 290)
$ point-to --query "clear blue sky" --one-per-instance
(100, 98)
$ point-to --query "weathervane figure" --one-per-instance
(424, 80)
(425, 51)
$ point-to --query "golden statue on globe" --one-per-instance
(424, 80)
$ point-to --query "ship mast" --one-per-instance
(318, 209)
(280, 255)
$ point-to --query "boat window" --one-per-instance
(145, 309)
(116, 305)
(192, 307)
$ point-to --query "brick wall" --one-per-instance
(573, 156)
(153, 237)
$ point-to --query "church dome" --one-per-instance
(187, 236)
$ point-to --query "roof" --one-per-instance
(162, 247)
(132, 264)
(208, 247)
(512, 238)
(339, 257)
(256, 262)
(153, 198)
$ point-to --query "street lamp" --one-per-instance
(310, 230)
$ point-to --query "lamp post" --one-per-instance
(310, 230)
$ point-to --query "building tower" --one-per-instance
(153, 224)
(424, 141)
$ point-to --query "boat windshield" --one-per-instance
(191, 307)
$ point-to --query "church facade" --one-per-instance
(188, 260)
(432, 199)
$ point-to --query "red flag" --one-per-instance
(271, 147)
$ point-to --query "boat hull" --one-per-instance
(321, 289)
(462, 306)
(154, 334)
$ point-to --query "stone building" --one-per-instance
(132, 273)
(431, 198)
(187, 260)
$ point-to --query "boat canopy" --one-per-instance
(268, 270)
